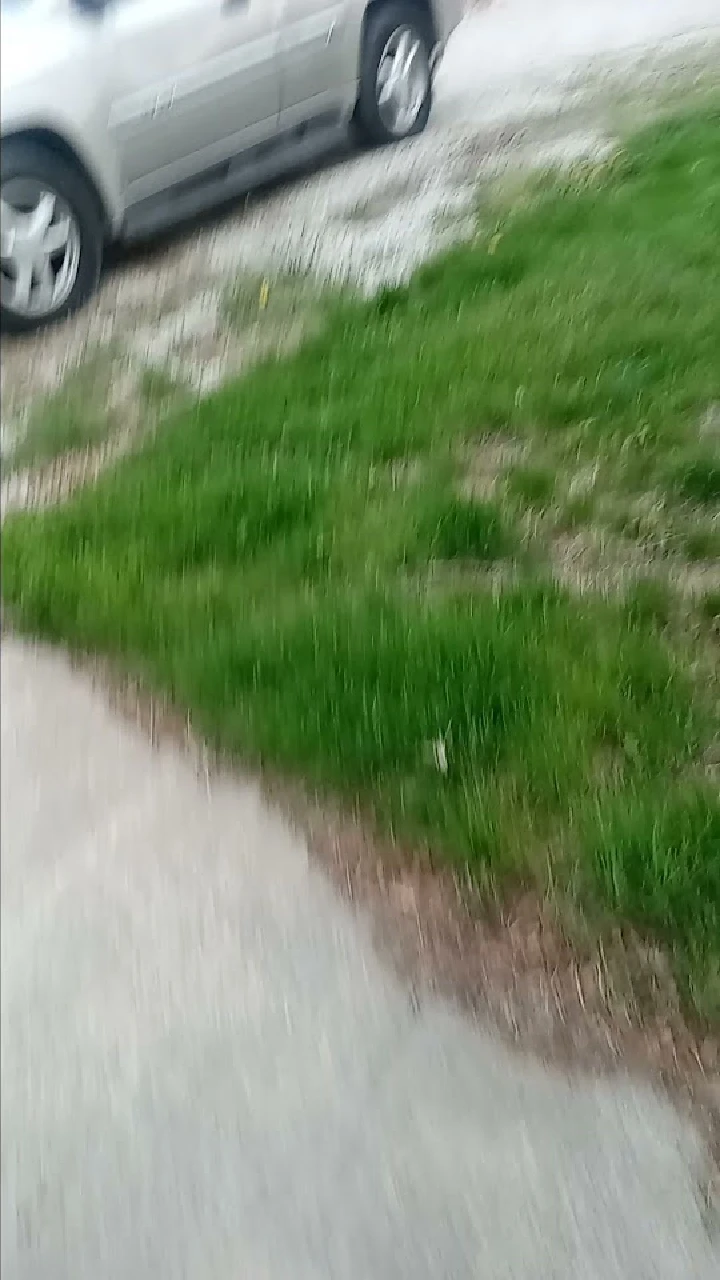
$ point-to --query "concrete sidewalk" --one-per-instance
(207, 1073)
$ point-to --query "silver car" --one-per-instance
(121, 117)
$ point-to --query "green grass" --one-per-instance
(263, 559)
(464, 529)
(702, 543)
(535, 486)
(158, 389)
(74, 417)
(697, 478)
(651, 603)
(710, 606)
(254, 300)
(642, 851)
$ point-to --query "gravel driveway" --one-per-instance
(523, 81)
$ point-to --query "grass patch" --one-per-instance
(710, 606)
(533, 486)
(651, 603)
(657, 862)
(697, 478)
(158, 389)
(463, 529)
(258, 301)
(252, 560)
(74, 417)
(702, 543)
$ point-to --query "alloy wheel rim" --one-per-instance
(402, 81)
(39, 248)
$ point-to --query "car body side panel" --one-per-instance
(194, 80)
(448, 15)
(318, 62)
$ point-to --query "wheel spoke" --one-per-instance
(23, 286)
(45, 287)
(402, 54)
(412, 53)
(42, 214)
(8, 223)
(399, 72)
(57, 236)
(390, 84)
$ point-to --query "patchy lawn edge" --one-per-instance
(579, 1004)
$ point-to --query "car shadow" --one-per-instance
(148, 250)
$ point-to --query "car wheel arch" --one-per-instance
(423, 7)
(52, 140)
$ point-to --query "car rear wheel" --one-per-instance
(51, 237)
(395, 95)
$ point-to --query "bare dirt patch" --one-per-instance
(484, 462)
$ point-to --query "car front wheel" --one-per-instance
(395, 94)
(51, 237)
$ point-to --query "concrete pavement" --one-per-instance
(207, 1074)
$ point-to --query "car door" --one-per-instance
(193, 83)
(318, 57)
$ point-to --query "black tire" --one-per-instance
(31, 160)
(368, 125)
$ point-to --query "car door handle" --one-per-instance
(232, 6)
(164, 101)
